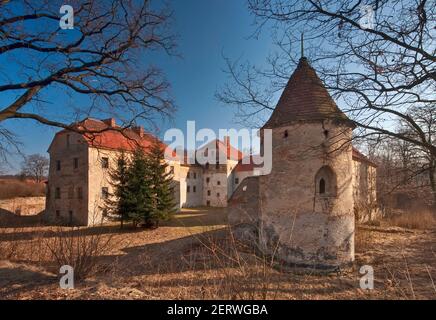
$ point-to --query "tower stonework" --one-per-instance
(302, 211)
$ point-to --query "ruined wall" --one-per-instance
(24, 206)
(243, 211)
(309, 227)
(72, 203)
(240, 175)
(365, 192)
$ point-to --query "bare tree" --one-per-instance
(101, 66)
(377, 60)
(35, 166)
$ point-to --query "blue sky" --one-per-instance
(206, 30)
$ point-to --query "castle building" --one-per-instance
(317, 186)
(303, 211)
(80, 171)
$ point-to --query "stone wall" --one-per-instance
(300, 224)
(243, 210)
(364, 192)
(24, 206)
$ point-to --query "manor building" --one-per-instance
(81, 164)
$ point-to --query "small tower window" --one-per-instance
(285, 134)
(325, 182)
(322, 186)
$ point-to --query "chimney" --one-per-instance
(110, 122)
(227, 140)
(227, 144)
(139, 130)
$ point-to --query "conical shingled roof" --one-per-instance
(304, 99)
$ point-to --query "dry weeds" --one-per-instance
(195, 257)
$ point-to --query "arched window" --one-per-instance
(325, 182)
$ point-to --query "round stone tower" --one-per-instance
(306, 203)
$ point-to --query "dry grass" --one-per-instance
(424, 219)
(12, 188)
(73, 246)
(195, 257)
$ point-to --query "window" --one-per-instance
(58, 213)
(188, 189)
(105, 192)
(285, 134)
(57, 193)
(218, 182)
(208, 192)
(105, 162)
(188, 175)
(58, 165)
(217, 194)
(208, 203)
(79, 193)
(195, 175)
(325, 181)
(194, 189)
(236, 180)
(70, 216)
(76, 163)
(207, 180)
(322, 186)
(207, 165)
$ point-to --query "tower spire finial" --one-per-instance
(302, 45)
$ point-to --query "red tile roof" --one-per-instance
(226, 148)
(304, 98)
(231, 152)
(106, 135)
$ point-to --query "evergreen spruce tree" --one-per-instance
(162, 184)
(116, 206)
(139, 192)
